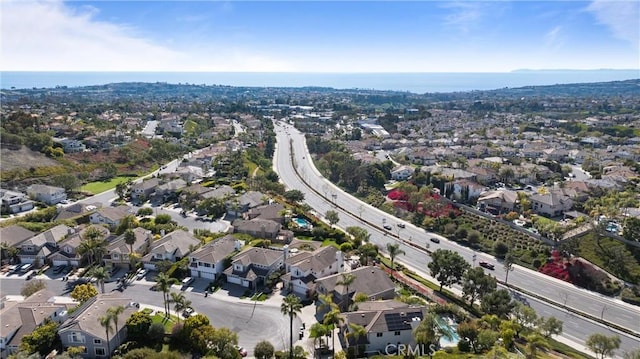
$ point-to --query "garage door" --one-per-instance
(234, 280)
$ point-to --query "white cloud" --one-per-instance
(622, 18)
(464, 16)
(554, 38)
(45, 35)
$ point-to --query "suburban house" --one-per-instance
(303, 268)
(251, 267)
(190, 174)
(261, 228)
(142, 191)
(387, 323)
(172, 247)
(118, 251)
(237, 206)
(38, 248)
(72, 146)
(47, 194)
(550, 204)
(67, 254)
(169, 189)
(74, 210)
(502, 201)
(471, 188)
(209, 261)
(372, 281)
(83, 328)
(15, 202)
(402, 173)
(110, 216)
(21, 318)
(272, 211)
(13, 235)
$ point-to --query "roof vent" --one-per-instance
(403, 314)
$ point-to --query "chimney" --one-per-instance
(285, 251)
(237, 244)
(162, 233)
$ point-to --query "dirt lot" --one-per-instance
(23, 158)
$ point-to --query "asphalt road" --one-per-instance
(252, 323)
(600, 306)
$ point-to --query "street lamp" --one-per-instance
(474, 257)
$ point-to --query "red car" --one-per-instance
(487, 265)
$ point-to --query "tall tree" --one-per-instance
(180, 302)
(291, 307)
(105, 322)
(317, 331)
(535, 342)
(332, 217)
(164, 283)
(101, 274)
(550, 326)
(394, 250)
(508, 266)
(332, 319)
(447, 267)
(114, 312)
(476, 283)
(603, 346)
(498, 303)
(346, 280)
(356, 332)
(130, 239)
(368, 251)
(264, 350)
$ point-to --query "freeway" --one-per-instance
(322, 196)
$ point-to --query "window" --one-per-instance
(207, 265)
(397, 332)
(378, 335)
(76, 338)
(97, 341)
(100, 352)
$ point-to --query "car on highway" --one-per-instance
(487, 265)
(387, 227)
(435, 239)
(401, 225)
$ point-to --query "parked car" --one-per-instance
(387, 227)
(435, 239)
(187, 312)
(141, 274)
(31, 274)
(401, 225)
(25, 267)
(487, 265)
(187, 281)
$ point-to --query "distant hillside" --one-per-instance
(24, 158)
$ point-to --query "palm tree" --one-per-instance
(346, 281)
(508, 266)
(394, 250)
(130, 239)
(164, 283)
(356, 332)
(332, 319)
(101, 274)
(85, 249)
(180, 302)
(105, 321)
(317, 331)
(114, 312)
(291, 306)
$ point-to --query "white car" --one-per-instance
(141, 274)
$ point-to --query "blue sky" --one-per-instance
(322, 36)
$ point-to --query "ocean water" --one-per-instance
(409, 82)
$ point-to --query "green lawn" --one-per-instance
(167, 322)
(101, 186)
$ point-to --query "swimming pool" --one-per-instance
(448, 326)
(302, 223)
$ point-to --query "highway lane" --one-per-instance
(592, 303)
